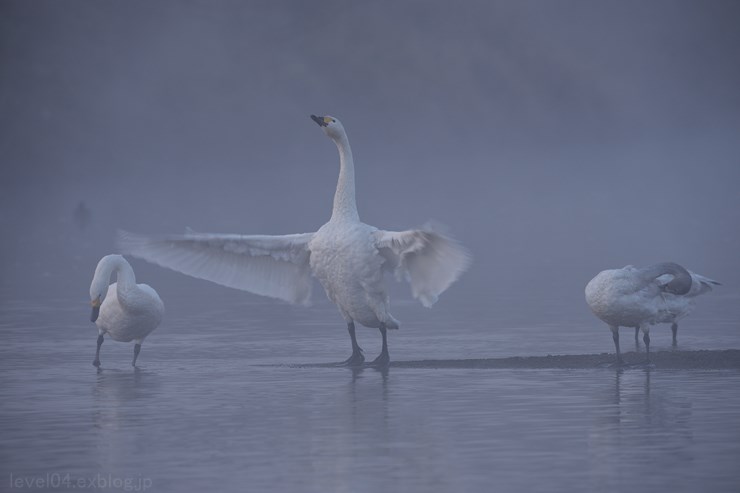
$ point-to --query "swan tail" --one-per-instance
(702, 284)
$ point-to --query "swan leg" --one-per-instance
(615, 336)
(646, 340)
(674, 329)
(357, 358)
(137, 349)
(637, 333)
(383, 358)
(96, 362)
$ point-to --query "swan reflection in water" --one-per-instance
(641, 427)
(123, 401)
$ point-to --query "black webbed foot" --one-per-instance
(382, 360)
(357, 359)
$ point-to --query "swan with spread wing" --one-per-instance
(347, 256)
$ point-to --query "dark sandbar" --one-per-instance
(663, 360)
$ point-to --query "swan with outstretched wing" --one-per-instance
(347, 256)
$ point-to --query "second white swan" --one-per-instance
(347, 256)
(642, 297)
(124, 310)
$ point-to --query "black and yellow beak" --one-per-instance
(95, 309)
(322, 121)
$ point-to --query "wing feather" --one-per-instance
(275, 266)
(428, 260)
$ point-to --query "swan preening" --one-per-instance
(347, 256)
(641, 297)
(124, 310)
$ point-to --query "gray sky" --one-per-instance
(554, 139)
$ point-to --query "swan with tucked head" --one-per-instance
(347, 256)
(124, 310)
(642, 297)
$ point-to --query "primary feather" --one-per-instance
(275, 266)
(428, 260)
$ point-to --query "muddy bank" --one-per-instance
(664, 360)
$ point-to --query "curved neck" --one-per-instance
(345, 206)
(125, 278)
(124, 273)
(681, 282)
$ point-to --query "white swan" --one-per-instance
(680, 306)
(347, 256)
(641, 297)
(125, 311)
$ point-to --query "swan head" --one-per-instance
(95, 309)
(98, 289)
(331, 126)
(681, 282)
(100, 282)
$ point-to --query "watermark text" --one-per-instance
(100, 481)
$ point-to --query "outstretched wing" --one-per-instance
(430, 261)
(275, 266)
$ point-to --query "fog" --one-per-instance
(553, 139)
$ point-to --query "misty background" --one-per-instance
(553, 139)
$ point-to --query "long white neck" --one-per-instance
(345, 205)
(125, 278)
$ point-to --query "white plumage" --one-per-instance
(642, 297)
(124, 310)
(347, 256)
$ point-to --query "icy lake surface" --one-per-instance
(237, 396)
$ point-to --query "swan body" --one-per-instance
(347, 263)
(123, 310)
(347, 256)
(642, 297)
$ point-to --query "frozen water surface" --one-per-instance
(554, 139)
(238, 397)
